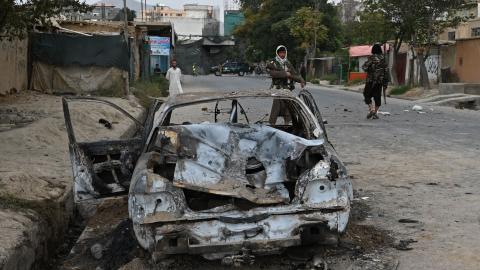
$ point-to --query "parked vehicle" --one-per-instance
(206, 174)
(231, 68)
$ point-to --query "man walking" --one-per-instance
(283, 77)
(174, 75)
(377, 80)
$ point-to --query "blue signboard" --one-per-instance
(159, 45)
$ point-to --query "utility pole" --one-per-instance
(125, 33)
(141, 8)
(125, 20)
(145, 7)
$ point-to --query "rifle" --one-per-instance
(385, 95)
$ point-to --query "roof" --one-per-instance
(363, 50)
(194, 97)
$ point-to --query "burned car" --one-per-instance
(207, 174)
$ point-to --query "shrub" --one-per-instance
(356, 82)
(145, 91)
(399, 90)
(331, 78)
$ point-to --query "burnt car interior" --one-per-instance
(105, 164)
(253, 171)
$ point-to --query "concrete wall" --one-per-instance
(13, 66)
(468, 60)
(448, 54)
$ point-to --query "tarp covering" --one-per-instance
(363, 50)
(76, 80)
(68, 50)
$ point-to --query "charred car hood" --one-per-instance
(243, 161)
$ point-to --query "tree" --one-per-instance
(371, 27)
(420, 22)
(306, 26)
(131, 15)
(17, 17)
(267, 26)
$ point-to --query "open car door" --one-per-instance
(103, 165)
(307, 97)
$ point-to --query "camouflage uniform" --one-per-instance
(278, 71)
(377, 78)
(279, 75)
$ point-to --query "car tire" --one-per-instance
(241, 73)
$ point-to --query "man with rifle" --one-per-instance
(377, 80)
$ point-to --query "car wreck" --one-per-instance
(206, 174)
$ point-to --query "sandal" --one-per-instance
(370, 115)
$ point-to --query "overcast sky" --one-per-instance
(180, 3)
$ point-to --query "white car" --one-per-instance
(207, 174)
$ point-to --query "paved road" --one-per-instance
(424, 167)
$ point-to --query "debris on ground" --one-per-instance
(417, 108)
(404, 244)
(97, 251)
(384, 113)
(407, 220)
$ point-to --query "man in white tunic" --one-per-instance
(174, 75)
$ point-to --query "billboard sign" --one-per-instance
(159, 45)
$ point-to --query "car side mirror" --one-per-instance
(325, 122)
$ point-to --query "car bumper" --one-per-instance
(230, 236)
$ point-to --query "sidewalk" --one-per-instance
(413, 94)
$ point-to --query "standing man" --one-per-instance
(377, 80)
(283, 77)
(174, 75)
(157, 70)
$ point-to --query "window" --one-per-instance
(476, 32)
(451, 35)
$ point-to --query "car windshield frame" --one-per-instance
(310, 122)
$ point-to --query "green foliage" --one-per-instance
(267, 26)
(355, 82)
(306, 26)
(315, 81)
(145, 91)
(17, 17)
(131, 15)
(400, 90)
(331, 78)
(372, 27)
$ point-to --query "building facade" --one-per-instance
(192, 22)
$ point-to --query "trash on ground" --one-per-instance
(417, 108)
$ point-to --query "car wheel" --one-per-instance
(241, 73)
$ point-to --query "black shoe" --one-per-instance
(370, 115)
(375, 116)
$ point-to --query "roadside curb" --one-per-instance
(336, 87)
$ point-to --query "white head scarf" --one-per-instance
(278, 58)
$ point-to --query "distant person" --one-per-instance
(303, 71)
(377, 80)
(283, 77)
(157, 70)
(174, 75)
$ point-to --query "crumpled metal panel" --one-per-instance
(213, 157)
